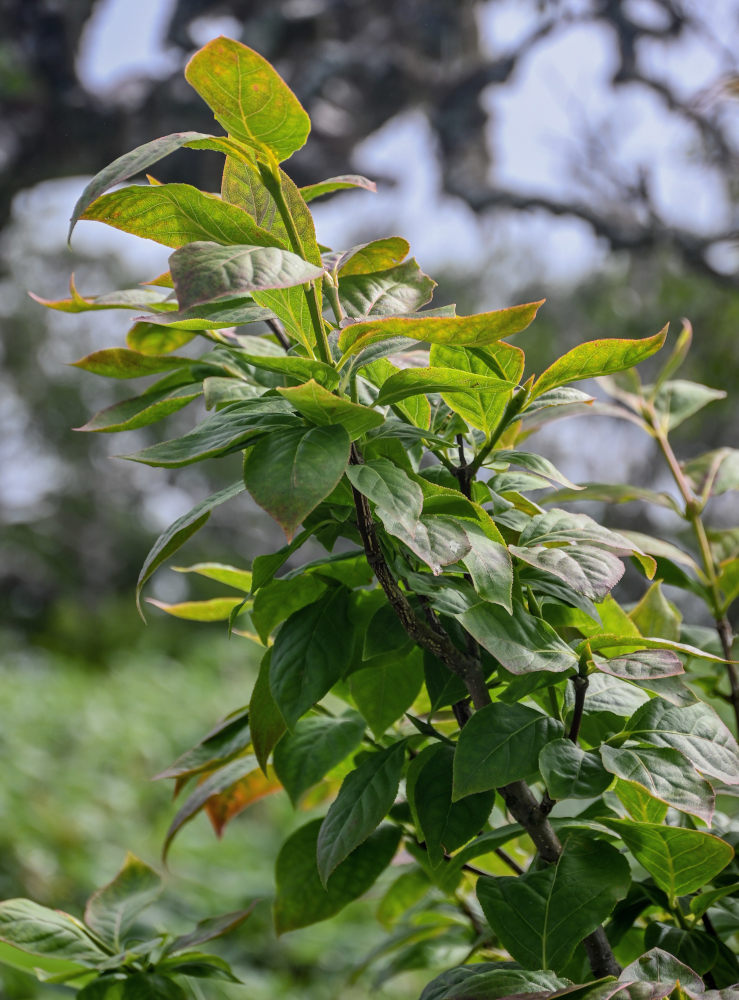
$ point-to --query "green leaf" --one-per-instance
(400, 289)
(542, 916)
(225, 431)
(500, 744)
(489, 565)
(248, 98)
(407, 889)
(570, 772)
(149, 338)
(656, 966)
(488, 981)
(232, 576)
(210, 316)
(129, 165)
(445, 824)
(340, 183)
(208, 929)
(137, 986)
(676, 401)
(366, 258)
(298, 368)
(482, 410)
(460, 331)
(217, 781)
(679, 860)
(650, 664)
(112, 910)
(175, 215)
(204, 272)
(638, 803)
(310, 654)
(118, 362)
(666, 775)
(278, 599)
(693, 947)
(611, 493)
(521, 642)
(216, 609)
(47, 933)
(695, 730)
(289, 473)
(598, 357)
(588, 570)
(390, 489)
(714, 473)
(703, 902)
(365, 797)
(421, 381)
(315, 746)
(301, 897)
(127, 298)
(180, 530)
(655, 615)
(141, 411)
(229, 738)
(605, 641)
(385, 690)
(323, 408)
(267, 724)
(533, 463)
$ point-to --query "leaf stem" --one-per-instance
(692, 514)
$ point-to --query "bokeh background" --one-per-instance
(582, 150)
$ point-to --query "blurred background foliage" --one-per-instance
(585, 150)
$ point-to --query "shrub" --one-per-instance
(454, 674)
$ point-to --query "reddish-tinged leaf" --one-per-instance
(254, 786)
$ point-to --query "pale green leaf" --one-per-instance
(340, 183)
(666, 774)
(323, 408)
(112, 910)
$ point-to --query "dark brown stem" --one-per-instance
(276, 328)
(431, 636)
(580, 684)
(508, 860)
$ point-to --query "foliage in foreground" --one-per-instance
(455, 674)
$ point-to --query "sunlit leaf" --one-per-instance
(665, 774)
(340, 183)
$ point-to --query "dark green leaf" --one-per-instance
(520, 641)
(290, 472)
(248, 98)
(390, 489)
(180, 530)
(137, 986)
(695, 730)
(129, 165)
(500, 743)
(542, 916)
(229, 738)
(384, 690)
(666, 775)
(313, 748)
(301, 897)
(223, 432)
(679, 860)
(311, 653)
(488, 981)
(656, 966)
(365, 797)
(278, 599)
(446, 825)
(207, 930)
(570, 772)
(598, 357)
(267, 724)
(154, 405)
(204, 272)
(112, 910)
(693, 947)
